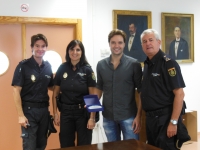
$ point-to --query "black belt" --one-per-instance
(35, 105)
(159, 112)
(79, 106)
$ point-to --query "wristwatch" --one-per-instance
(174, 122)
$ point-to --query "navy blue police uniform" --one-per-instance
(74, 117)
(34, 80)
(161, 76)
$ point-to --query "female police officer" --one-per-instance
(30, 83)
(74, 79)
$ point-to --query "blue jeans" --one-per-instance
(113, 129)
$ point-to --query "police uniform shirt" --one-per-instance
(33, 79)
(160, 77)
(74, 84)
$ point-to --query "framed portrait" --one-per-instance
(133, 23)
(178, 36)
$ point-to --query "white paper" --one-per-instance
(94, 107)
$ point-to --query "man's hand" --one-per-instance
(136, 125)
(56, 119)
(23, 121)
(171, 130)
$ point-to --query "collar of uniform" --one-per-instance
(35, 63)
(155, 58)
(77, 65)
(122, 59)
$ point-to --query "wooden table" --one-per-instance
(119, 145)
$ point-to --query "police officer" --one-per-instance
(31, 80)
(162, 93)
(74, 79)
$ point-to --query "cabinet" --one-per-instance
(190, 121)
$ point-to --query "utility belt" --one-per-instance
(35, 105)
(72, 107)
(159, 112)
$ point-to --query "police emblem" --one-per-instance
(33, 78)
(65, 75)
(172, 72)
(93, 76)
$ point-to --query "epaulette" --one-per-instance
(88, 65)
(166, 58)
(47, 62)
(23, 61)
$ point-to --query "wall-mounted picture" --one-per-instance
(133, 23)
(178, 36)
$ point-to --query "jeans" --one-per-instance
(113, 129)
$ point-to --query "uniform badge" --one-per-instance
(172, 72)
(65, 75)
(33, 78)
(93, 76)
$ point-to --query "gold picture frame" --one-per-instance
(178, 26)
(141, 20)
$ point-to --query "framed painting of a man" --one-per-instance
(178, 36)
(133, 23)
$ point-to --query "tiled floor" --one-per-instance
(192, 145)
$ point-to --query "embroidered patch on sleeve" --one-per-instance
(172, 72)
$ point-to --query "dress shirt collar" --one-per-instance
(35, 63)
(77, 65)
(155, 58)
(122, 59)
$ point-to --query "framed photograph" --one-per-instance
(133, 23)
(178, 36)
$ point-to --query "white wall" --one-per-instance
(97, 21)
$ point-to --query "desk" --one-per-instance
(119, 145)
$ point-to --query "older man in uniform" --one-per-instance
(162, 93)
(31, 80)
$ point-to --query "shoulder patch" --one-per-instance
(172, 72)
(166, 58)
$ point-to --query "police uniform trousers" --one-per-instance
(35, 136)
(72, 120)
(156, 129)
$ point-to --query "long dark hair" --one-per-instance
(71, 45)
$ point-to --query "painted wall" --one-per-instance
(97, 23)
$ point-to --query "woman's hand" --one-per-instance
(91, 123)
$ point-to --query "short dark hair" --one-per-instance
(71, 45)
(37, 37)
(133, 24)
(117, 32)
